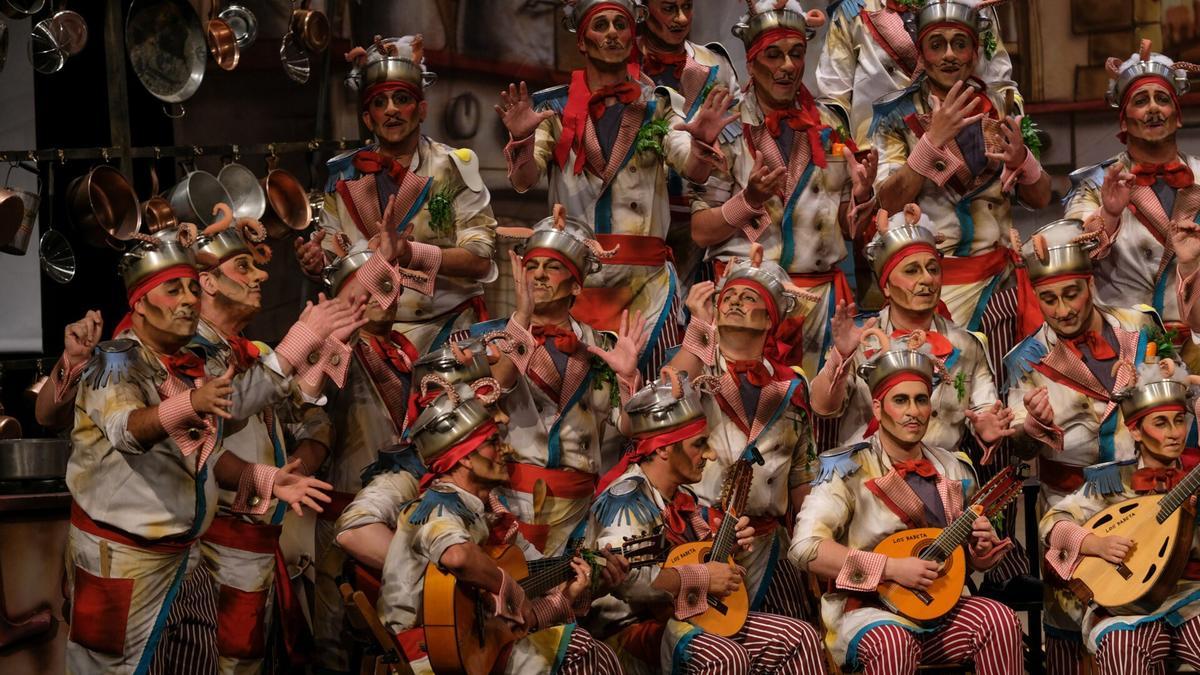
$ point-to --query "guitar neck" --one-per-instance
(952, 537)
(735, 493)
(991, 498)
(1179, 494)
(546, 573)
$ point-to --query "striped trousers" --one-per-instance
(655, 355)
(766, 644)
(585, 655)
(189, 641)
(979, 630)
(1063, 656)
(1143, 650)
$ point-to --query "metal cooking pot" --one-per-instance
(45, 53)
(157, 213)
(34, 458)
(310, 28)
(243, 22)
(167, 50)
(105, 206)
(19, 243)
(222, 44)
(287, 203)
(12, 213)
(19, 9)
(70, 31)
(248, 198)
(194, 197)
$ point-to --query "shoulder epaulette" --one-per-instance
(891, 109)
(341, 167)
(730, 132)
(114, 362)
(402, 459)
(443, 501)
(625, 502)
(484, 327)
(839, 462)
(720, 50)
(554, 98)
(1019, 361)
(1088, 177)
(1105, 479)
(848, 9)
(467, 163)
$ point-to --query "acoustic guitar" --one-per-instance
(1161, 528)
(463, 634)
(727, 615)
(945, 546)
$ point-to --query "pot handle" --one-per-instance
(169, 108)
(272, 158)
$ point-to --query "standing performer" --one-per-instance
(605, 142)
(760, 403)
(1132, 199)
(648, 490)
(1156, 415)
(871, 490)
(791, 182)
(150, 415)
(870, 52)
(438, 189)
(561, 379)
(1061, 385)
(55, 405)
(954, 146)
(456, 515)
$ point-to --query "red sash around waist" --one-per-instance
(82, 521)
(561, 483)
(635, 249)
(1061, 477)
(975, 268)
(243, 536)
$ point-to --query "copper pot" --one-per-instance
(287, 203)
(222, 44)
(12, 213)
(157, 213)
(105, 207)
(310, 28)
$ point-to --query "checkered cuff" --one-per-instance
(522, 347)
(750, 220)
(300, 347)
(552, 610)
(334, 362)
(706, 157)
(255, 489)
(693, 591)
(1051, 436)
(423, 267)
(1027, 174)
(700, 340)
(509, 600)
(862, 571)
(628, 386)
(66, 378)
(381, 279)
(518, 153)
(181, 422)
(840, 364)
(937, 164)
(1064, 542)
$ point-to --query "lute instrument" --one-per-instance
(1161, 527)
(462, 632)
(945, 546)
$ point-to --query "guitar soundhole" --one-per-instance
(1127, 508)
(1150, 573)
(1102, 521)
(1163, 551)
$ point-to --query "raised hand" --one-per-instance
(631, 340)
(847, 335)
(1116, 191)
(298, 490)
(1012, 144)
(953, 114)
(310, 254)
(1185, 239)
(700, 301)
(992, 424)
(523, 289)
(1037, 404)
(333, 316)
(517, 113)
(394, 245)
(213, 397)
(81, 337)
(711, 118)
(764, 183)
(862, 174)
(349, 325)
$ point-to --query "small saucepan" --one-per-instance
(222, 44)
(157, 213)
(105, 206)
(310, 28)
(194, 197)
(288, 207)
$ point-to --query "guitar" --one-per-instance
(724, 616)
(945, 546)
(1161, 528)
(462, 633)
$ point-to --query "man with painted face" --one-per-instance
(606, 142)
(791, 181)
(561, 379)
(1062, 382)
(152, 410)
(954, 145)
(761, 402)
(1132, 200)
(649, 489)
(870, 52)
(438, 191)
(874, 489)
(1156, 414)
(457, 514)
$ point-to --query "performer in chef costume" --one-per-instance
(438, 191)
(1156, 412)
(1131, 200)
(870, 51)
(791, 182)
(605, 143)
(649, 490)
(891, 483)
(150, 416)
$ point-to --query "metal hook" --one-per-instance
(104, 155)
(197, 151)
(157, 153)
(237, 152)
(62, 156)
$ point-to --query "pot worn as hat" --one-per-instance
(447, 421)
(1058, 251)
(577, 12)
(392, 63)
(666, 404)
(1141, 400)
(906, 233)
(152, 254)
(461, 363)
(765, 275)
(961, 13)
(1142, 65)
(771, 20)
(568, 240)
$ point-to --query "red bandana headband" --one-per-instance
(890, 382)
(646, 447)
(556, 255)
(949, 24)
(1166, 407)
(894, 261)
(391, 85)
(1142, 82)
(769, 37)
(584, 20)
(447, 460)
(150, 283)
(772, 308)
(1054, 278)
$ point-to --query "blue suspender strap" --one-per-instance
(981, 306)
(966, 222)
(602, 213)
(554, 447)
(280, 461)
(953, 358)
(789, 245)
(708, 82)
(663, 317)
(416, 207)
(751, 453)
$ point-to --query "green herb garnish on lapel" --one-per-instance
(960, 385)
(602, 374)
(989, 45)
(1029, 134)
(441, 211)
(650, 137)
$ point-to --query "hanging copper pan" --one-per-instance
(157, 213)
(310, 28)
(105, 207)
(222, 44)
(287, 202)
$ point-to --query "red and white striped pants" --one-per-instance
(1063, 657)
(979, 630)
(766, 644)
(586, 655)
(1144, 649)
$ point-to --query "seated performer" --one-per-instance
(438, 190)
(1133, 199)
(150, 415)
(791, 184)
(959, 159)
(759, 401)
(605, 142)
(456, 515)
(648, 489)
(560, 377)
(1155, 412)
(890, 483)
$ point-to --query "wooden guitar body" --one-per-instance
(462, 633)
(1154, 564)
(934, 602)
(724, 617)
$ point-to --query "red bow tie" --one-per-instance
(626, 92)
(755, 371)
(1176, 174)
(371, 162)
(922, 467)
(565, 340)
(797, 119)
(502, 524)
(941, 345)
(898, 7)
(1101, 350)
(677, 515)
(654, 63)
(388, 350)
(1156, 480)
(184, 363)
(244, 353)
